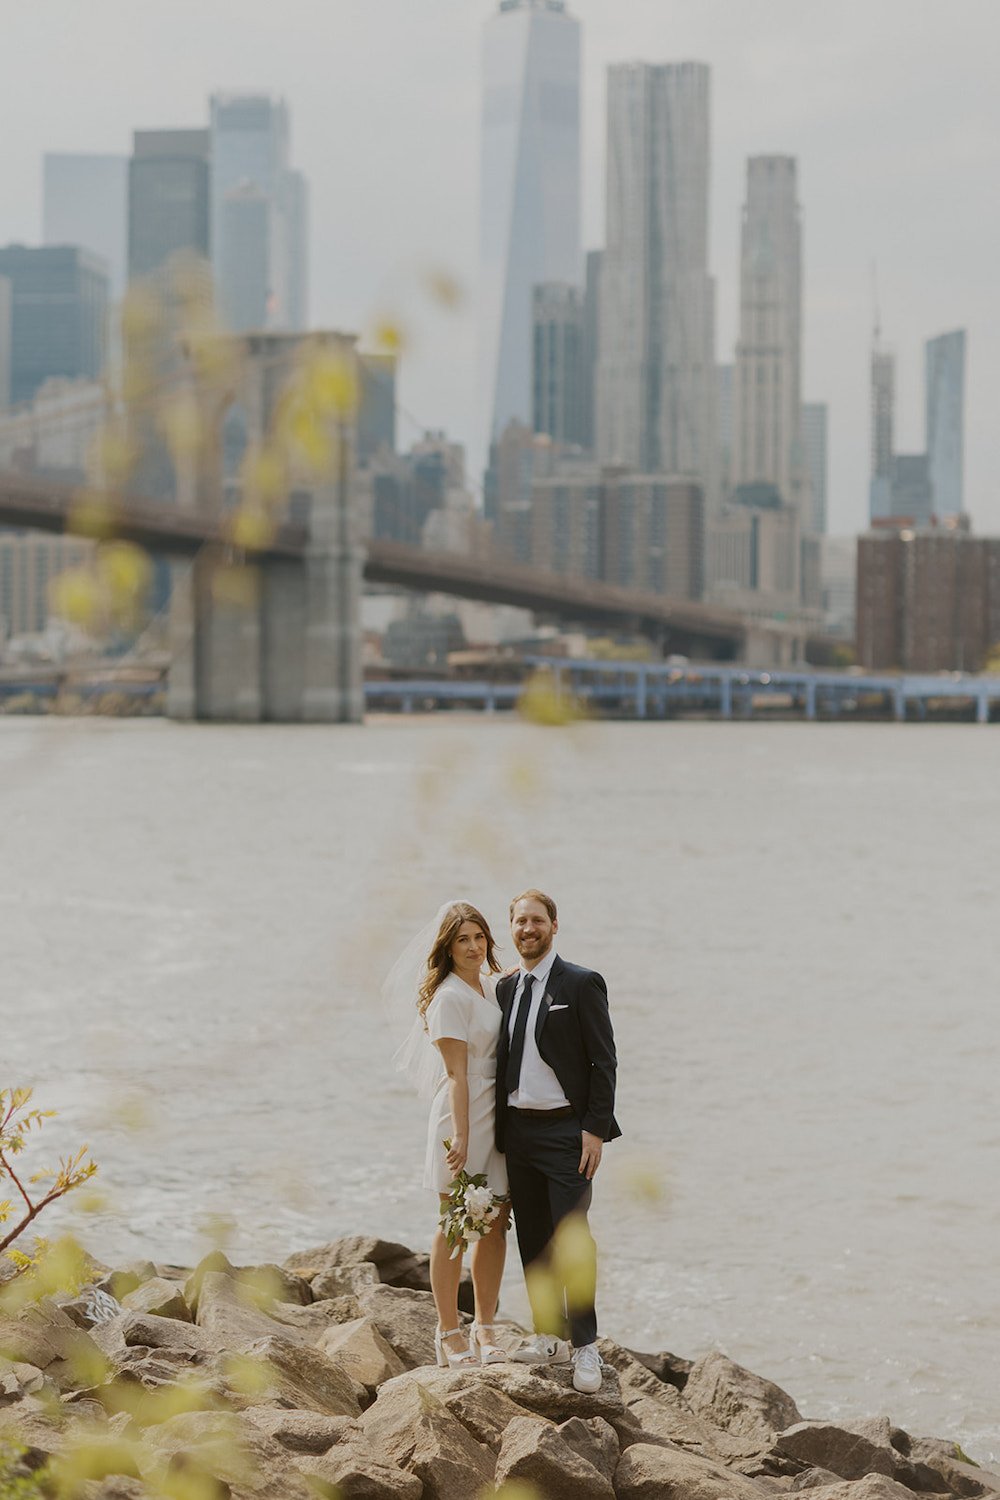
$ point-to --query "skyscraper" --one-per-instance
(945, 389)
(882, 439)
(768, 436)
(530, 187)
(243, 264)
(6, 300)
(251, 155)
(656, 371)
(85, 203)
(58, 315)
(168, 198)
(814, 445)
(557, 362)
(591, 347)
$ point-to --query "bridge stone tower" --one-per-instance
(277, 640)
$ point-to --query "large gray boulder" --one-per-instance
(648, 1472)
(47, 1338)
(388, 1258)
(825, 1445)
(285, 1373)
(262, 1284)
(227, 1447)
(595, 1440)
(228, 1316)
(395, 1265)
(954, 1471)
(413, 1428)
(869, 1487)
(733, 1398)
(544, 1390)
(405, 1319)
(536, 1453)
(345, 1281)
(230, 1313)
(362, 1351)
(483, 1409)
(163, 1299)
(18, 1380)
(357, 1471)
(301, 1432)
(117, 1487)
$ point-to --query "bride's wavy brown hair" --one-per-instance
(439, 962)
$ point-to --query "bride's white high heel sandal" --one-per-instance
(447, 1358)
(489, 1353)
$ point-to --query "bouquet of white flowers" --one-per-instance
(469, 1211)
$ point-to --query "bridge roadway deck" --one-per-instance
(39, 504)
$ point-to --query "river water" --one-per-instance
(798, 924)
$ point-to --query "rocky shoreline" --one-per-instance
(318, 1378)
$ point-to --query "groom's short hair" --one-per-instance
(533, 895)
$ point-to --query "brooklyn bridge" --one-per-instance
(286, 646)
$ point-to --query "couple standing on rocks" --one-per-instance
(521, 1073)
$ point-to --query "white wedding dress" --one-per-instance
(459, 1011)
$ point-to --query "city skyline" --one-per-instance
(399, 200)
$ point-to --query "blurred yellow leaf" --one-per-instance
(247, 1376)
(142, 312)
(90, 1457)
(444, 288)
(91, 514)
(309, 439)
(251, 528)
(265, 475)
(388, 337)
(74, 596)
(93, 1202)
(645, 1183)
(236, 586)
(180, 421)
(574, 1261)
(125, 571)
(330, 384)
(545, 1296)
(113, 456)
(544, 702)
(218, 1229)
(133, 1111)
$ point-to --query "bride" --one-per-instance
(451, 1055)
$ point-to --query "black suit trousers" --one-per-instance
(543, 1161)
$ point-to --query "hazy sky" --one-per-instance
(891, 107)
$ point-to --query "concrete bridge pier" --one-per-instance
(332, 687)
(215, 626)
(278, 638)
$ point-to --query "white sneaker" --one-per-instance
(543, 1349)
(587, 1369)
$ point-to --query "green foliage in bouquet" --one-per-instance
(469, 1211)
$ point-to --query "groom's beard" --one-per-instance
(532, 948)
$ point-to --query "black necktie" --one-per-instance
(516, 1053)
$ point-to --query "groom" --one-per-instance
(555, 1100)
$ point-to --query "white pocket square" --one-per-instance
(557, 1007)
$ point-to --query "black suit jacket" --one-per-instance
(577, 1042)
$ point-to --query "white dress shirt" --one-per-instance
(538, 1087)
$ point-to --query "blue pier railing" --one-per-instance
(647, 690)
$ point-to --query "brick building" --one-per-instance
(927, 601)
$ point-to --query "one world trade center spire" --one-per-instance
(530, 187)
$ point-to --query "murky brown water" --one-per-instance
(799, 928)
